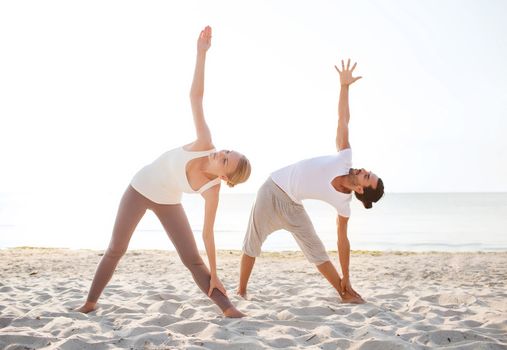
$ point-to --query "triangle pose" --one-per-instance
(194, 168)
(328, 178)
(198, 168)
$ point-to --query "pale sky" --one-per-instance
(92, 91)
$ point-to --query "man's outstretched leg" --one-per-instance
(328, 270)
(247, 264)
(267, 216)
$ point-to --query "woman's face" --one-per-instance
(224, 162)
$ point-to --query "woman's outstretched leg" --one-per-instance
(132, 208)
(175, 223)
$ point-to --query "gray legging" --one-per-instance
(132, 208)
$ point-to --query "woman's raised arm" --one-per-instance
(203, 141)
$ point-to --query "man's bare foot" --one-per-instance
(241, 293)
(87, 307)
(232, 312)
(350, 299)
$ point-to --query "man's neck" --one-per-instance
(343, 184)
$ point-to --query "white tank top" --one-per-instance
(164, 180)
(311, 179)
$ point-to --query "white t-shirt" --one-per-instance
(311, 179)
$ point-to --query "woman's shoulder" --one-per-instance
(198, 146)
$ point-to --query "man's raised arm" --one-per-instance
(342, 132)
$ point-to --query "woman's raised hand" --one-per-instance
(204, 40)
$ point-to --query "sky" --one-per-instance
(92, 91)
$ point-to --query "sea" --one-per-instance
(451, 222)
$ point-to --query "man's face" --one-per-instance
(364, 178)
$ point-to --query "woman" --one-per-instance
(193, 168)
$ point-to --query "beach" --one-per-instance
(414, 301)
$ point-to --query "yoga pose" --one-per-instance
(193, 168)
(330, 179)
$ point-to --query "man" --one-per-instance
(330, 179)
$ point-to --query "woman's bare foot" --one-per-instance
(232, 312)
(87, 307)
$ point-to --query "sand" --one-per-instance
(414, 301)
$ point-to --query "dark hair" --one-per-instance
(371, 195)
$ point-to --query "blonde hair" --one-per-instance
(241, 173)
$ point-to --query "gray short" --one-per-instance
(274, 210)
